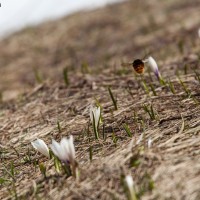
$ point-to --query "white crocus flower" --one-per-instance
(199, 32)
(95, 114)
(40, 146)
(130, 184)
(153, 66)
(95, 111)
(64, 150)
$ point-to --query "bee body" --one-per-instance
(137, 64)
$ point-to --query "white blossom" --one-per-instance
(64, 150)
(40, 146)
(153, 66)
(130, 183)
(95, 113)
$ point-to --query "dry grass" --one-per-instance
(92, 46)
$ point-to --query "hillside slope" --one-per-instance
(37, 103)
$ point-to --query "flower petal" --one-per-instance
(91, 111)
(153, 65)
(97, 116)
(71, 148)
(57, 150)
(64, 150)
(129, 181)
(41, 146)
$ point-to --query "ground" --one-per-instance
(87, 48)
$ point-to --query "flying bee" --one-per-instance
(137, 64)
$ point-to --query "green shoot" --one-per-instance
(42, 169)
(145, 87)
(113, 98)
(127, 129)
(187, 91)
(114, 139)
(185, 69)
(153, 90)
(85, 68)
(181, 46)
(38, 76)
(171, 87)
(57, 164)
(150, 111)
(59, 127)
(65, 75)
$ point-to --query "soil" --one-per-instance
(88, 49)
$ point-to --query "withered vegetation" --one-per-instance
(51, 74)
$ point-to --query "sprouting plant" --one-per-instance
(12, 169)
(65, 76)
(85, 68)
(181, 46)
(59, 127)
(146, 185)
(135, 159)
(153, 89)
(113, 98)
(185, 69)
(131, 188)
(185, 88)
(171, 87)
(142, 123)
(10, 172)
(57, 164)
(127, 129)
(27, 157)
(38, 76)
(114, 138)
(150, 111)
(43, 169)
(145, 87)
(95, 115)
(90, 153)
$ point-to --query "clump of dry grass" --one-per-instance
(59, 69)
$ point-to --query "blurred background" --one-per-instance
(15, 15)
(51, 36)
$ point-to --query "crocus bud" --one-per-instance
(153, 66)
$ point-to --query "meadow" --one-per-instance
(149, 127)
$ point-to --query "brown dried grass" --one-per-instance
(103, 38)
